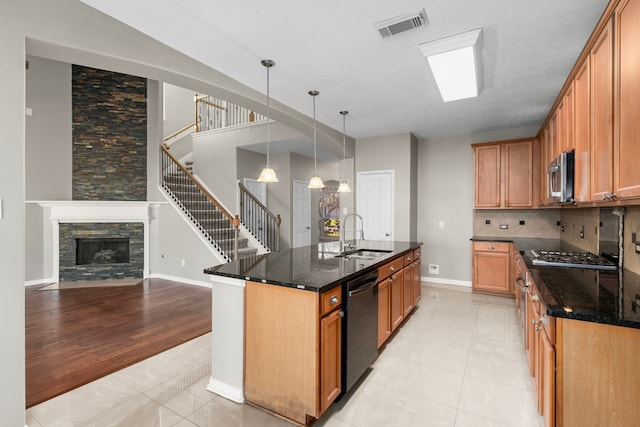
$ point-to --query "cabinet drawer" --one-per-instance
(390, 268)
(491, 246)
(408, 258)
(331, 300)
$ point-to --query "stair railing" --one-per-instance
(216, 113)
(264, 225)
(203, 209)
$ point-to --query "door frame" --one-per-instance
(392, 174)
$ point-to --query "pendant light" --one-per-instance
(268, 174)
(344, 186)
(316, 181)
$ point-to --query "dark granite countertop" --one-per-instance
(611, 297)
(314, 268)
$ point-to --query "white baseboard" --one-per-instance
(225, 390)
(431, 279)
(181, 280)
(38, 282)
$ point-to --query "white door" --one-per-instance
(375, 203)
(301, 214)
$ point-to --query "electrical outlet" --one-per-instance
(182, 263)
(487, 221)
(633, 235)
(638, 248)
(521, 222)
(504, 226)
(440, 224)
(434, 269)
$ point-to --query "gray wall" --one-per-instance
(394, 152)
(48, 130)
(445, 193)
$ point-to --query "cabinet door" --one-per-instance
(491, 271)
(518, 174)
(407, 292)
(582, 132)
(330, 359)
(487, 176)
(602, 115)
(417, 284)
(569, 120)
(547, 381)
(627, 147)
(397, 313)
(384, 312)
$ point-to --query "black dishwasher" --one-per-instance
(360, 327)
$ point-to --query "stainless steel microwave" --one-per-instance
(561, 178)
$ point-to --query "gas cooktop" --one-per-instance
(571, 259)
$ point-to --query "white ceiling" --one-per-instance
(529, 48)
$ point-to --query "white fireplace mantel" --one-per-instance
(85, 211)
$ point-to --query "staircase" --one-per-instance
(218, 226)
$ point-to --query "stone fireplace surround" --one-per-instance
(115, 215)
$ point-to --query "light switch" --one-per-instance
(440, 224)
(28, 111)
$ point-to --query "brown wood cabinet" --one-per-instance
(582, 134)
(292, 349)
(408, 286)
(504, 174)
(491, 264)
(399, 290)
(601, 59)
(627, 104)
(384, 311)
(541, 354)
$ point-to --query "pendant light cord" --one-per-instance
(268, 119)
(315, 155)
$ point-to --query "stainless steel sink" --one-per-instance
(367, 254)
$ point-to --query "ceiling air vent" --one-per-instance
(408, 21)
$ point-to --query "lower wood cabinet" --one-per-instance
(384, 311)
(292, 350)
(399, 290)
(492, 267)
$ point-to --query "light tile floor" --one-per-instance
(458, 361)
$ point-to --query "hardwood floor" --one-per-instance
(75, 336)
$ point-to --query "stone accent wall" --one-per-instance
(109, 135)
(69, 232)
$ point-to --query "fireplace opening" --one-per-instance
(102, 251)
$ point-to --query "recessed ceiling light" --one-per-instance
(456, 64)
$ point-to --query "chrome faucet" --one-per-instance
(344, 244)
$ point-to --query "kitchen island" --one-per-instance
(278, 332)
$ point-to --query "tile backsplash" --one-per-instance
(539, 223)
(631, 225)
(581, 222)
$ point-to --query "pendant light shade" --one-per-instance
(344, 185)
(268, 174)
(316, 181)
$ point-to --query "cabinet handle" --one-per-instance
(535, 297)
(333, 300)
(534, 321)
(544, 320)
(391, 268)
(538, 328)
(491, 248)
(341, 313)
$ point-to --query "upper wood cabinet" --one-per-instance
(504, 174)
(582, 133)
(601, 58)
(627, 100)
